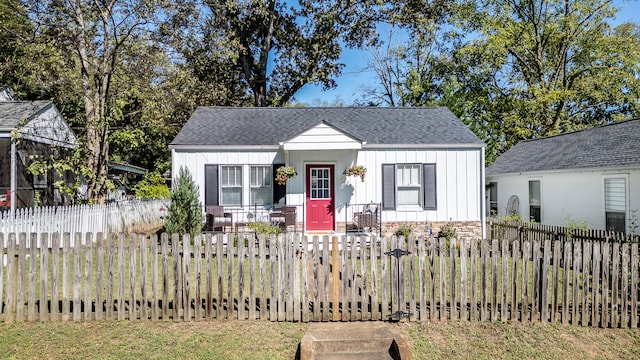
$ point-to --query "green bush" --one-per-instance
(153, 186)
(448, 231)
(184, 213)
(404, 230)
(264, 228)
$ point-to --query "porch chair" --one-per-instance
(284, 218)
(218, 219)
(367, 219)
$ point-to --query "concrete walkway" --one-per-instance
(353, 340)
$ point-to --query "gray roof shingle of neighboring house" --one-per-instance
(615, 145)
(14, 113)
(228, 126)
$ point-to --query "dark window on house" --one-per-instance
(615, 203)
(409, 185)
(534, 201)
(493, 198)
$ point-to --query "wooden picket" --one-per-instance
(93, 277)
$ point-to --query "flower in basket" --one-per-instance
(284, 173)
(357, 170)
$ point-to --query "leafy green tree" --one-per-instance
(101, 40)
(263, 52)
(550, 66)
(520, 69)
(185, 212)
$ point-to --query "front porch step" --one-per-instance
(353, 340)
(354, 356)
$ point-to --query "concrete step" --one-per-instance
(352, 340)
(354, 356)
(352, 345)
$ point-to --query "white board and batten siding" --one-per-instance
(322, 137)
(570, 195)
(195, 162)
(458, 182)
(458, 176)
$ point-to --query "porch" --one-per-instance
(352, 219)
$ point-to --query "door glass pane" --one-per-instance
(320, 183)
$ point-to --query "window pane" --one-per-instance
(260, 193)
(261, 196)
(408, 196)
(615, 195)
(409, 184)
(260, 176)
(534, 213)
(232, 196)
(534, 192)
(231, 176)
(320, 183)
(615, 221)
(231, 185)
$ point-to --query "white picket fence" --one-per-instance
(131, 216)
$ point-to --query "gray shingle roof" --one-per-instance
(14, 113)
(211, 126)
(610, 146)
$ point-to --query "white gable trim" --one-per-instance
(322, 137)
(49, 127)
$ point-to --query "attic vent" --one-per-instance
(513, 205)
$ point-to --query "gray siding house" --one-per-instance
(423, 165)
(590, 176)
(29, 129)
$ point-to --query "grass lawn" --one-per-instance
(269, 340)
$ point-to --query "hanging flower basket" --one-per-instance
(284, 173)
(357, 170)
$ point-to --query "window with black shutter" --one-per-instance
(409, 185)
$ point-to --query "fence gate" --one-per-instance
(397, 286)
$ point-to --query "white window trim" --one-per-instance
(241, 186)
(419, 186)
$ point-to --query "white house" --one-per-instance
(591, 175)
(423, 165)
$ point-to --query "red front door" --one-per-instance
(320, 206)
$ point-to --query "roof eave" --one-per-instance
(222, 147)
(424, 146)
(557, 171)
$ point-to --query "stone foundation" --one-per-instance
(464, 229)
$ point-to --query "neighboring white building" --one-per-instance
(424, 166)
(591, 175)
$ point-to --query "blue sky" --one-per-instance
(355, 75)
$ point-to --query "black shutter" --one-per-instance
(429, 179)
(279, 191)
(388, 186)
(211, 185)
